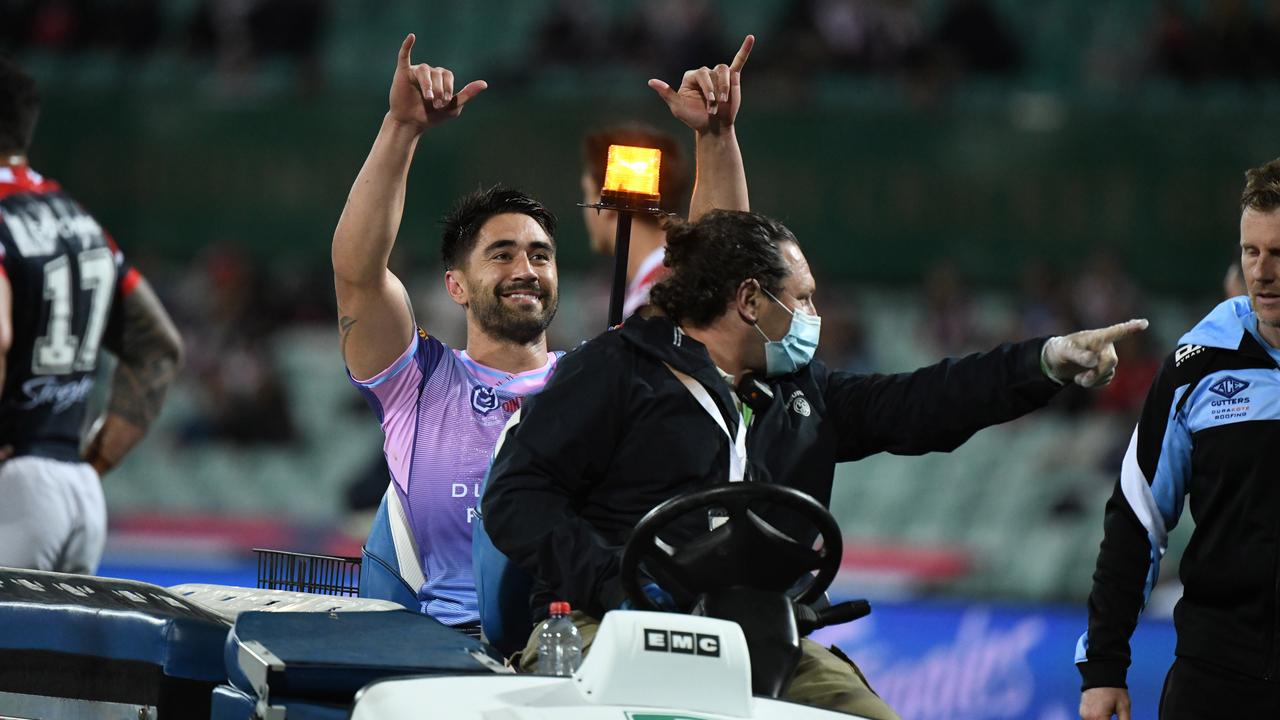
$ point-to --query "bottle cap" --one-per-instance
(560, 607)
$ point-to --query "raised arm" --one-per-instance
(149, 349)
(707, 102)
(375, 317)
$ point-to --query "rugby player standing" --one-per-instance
(65, 292)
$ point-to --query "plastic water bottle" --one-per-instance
(559, 643)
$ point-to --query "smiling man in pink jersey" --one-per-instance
(442, 409)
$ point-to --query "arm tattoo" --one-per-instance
(347, 322)
(150, 357)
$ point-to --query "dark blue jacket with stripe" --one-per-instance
(1208, 431)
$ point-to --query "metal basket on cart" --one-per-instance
(308, 572)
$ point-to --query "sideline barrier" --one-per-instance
(968, 661)
(72, 643)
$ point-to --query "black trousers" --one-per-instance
(1195, 690)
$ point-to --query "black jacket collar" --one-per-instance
(659, 338)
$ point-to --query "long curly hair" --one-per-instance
(710, 258)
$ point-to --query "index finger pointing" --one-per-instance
(744, 52)
(1115, 332)
(405, 47)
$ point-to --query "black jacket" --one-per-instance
(1208, 430)
(614, 433)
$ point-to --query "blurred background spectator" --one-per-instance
(229, 315)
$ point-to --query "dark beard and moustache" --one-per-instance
(516, 326)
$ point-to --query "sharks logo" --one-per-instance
(1229, 387)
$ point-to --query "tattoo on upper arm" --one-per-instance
(150, 357)
(345, 323)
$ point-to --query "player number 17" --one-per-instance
(58, 352)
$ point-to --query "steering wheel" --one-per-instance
(744, 551)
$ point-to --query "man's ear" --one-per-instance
(455, 283)
(747, 301)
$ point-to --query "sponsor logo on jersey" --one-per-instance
(683, 643)
(1230, 405)
(1229, 387)
(483, 399)
(1185, 352)
(49, 391)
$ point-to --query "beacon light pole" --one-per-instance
(630, 187)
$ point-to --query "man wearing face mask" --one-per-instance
(620, 427)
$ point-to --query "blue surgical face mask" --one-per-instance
(795, 349)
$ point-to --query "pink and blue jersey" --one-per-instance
(442, 413)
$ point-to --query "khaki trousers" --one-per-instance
(823, 679)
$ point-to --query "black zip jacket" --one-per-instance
(1208, 430)
(614, 433)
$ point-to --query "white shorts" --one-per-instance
(52, 515)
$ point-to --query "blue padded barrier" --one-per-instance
(327, 657)
(230, 703)
(107, 640)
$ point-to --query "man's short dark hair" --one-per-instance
(474, 209)
(712, 257)
(673, 182)
(1261, 188)
(19, 106)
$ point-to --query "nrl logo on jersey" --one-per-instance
(1185, 352)
(483, 399)
(1229, 387)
